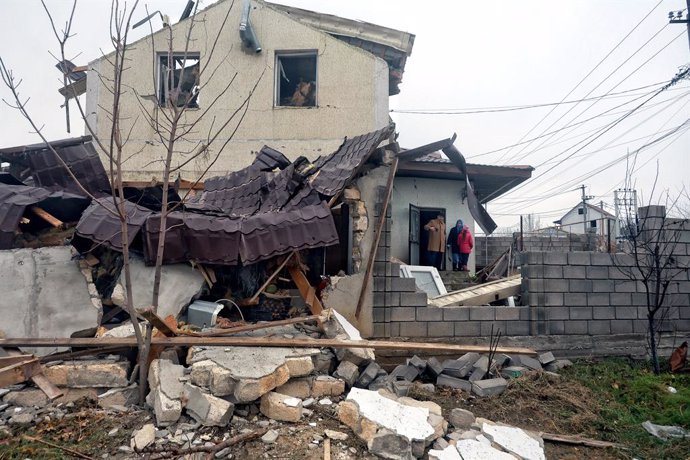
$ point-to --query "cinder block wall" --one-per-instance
(490, 248)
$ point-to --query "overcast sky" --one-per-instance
(467, 57)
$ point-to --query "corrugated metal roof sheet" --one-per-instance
(13, 201)
(269, 159)
(100, 222)
(336, 170)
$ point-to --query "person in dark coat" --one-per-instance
(453, 244)
(465, 243)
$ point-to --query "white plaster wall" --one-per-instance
(572, 222)
(352, 94)
(425, 193)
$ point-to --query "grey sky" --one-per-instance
(467, 55)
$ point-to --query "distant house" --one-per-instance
(594, 218)
(320, 78)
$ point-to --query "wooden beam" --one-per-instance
(253, 298)
(10, 360)
(158, 322)
(577, 440)
(306, 290)
(377, 237)
(86, 342)
(19, 372)
(46, 386)
(45, 215)
(258, 326)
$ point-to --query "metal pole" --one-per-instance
(522, 242)
(584, 210)
(608, 235)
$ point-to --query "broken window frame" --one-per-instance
(278, 97)
(182, 59)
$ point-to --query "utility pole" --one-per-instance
(584, 207)
(678, 18)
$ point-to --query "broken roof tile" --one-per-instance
(101, 224)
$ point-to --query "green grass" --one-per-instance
(628, 394)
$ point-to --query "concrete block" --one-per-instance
(403, 314)
(453, 382)
(621, 326)
(553, 271)
(556, 327)
(486, 327)
(574, 327)
(603, 313)
(517, 328)
(507, 313)
(597, 273)
(579, 285)
(619, 273)
(441, 329)
(456, 313)
(574, 272)
(378, 314)
(625, 286)
(403, 284)
(602, 286)
(553, 299)
(546, 358)
(578, 258)
(525, 361)
(166, 391)
(325, 385)
(640, 326)
(482, 313)
(600, 258)
(627, 312)
(556, 285)
(467, 328)
(490, 387)
(281, 407)
(599, 327)
(429, 313)
(598, 299)
(580, 312)
(368, 375)
(558, 312)
(434, 367)
(623, 299)
(205, 408)
(348, 372)
(404, 372)
(532, 258)
(416, 329)
(89, 374)
(555, 258)
(413, 299)
(575, 299)
(298, 388)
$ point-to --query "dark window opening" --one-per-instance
(593, 224)
(185, 69)
(580, 211)
(296, 80)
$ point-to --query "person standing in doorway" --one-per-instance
(437, 240)
(452, 243)
(465, 244)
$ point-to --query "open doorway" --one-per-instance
(419, 238)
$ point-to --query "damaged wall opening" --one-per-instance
(186, 67)
(295, 79)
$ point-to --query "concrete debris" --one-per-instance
(348, 372)
(166, 391)
(325, 385)
(29, 397)
(89, 374)
(448, 453)
(557, 365)
(270, 437)
(515, 441)
(461, 418)
(281, 407)
(336, 435)
(471, 449)
(143, 437)
(299, 388)
(453, 382)
(489, 387)
(525, 361)
(39, 304)
(546, 358)
(405, 372)
(207, 409)
(119, 396)
(340, 328)
(368, 375)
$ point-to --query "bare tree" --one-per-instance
(179, 93)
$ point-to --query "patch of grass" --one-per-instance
(627, 393)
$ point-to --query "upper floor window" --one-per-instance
(184, 67)
(296, 79)
(580, 211)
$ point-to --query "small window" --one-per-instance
(185, 68)
(296, 79)
(580, 211)
(593, 224)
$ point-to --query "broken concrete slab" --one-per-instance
(205, 408)
(340, 328)
(245, 373)
(180, 284)
(298, 388)
(489, 387)
(38, 303)
(89, 374)
(144, 437)
(430, 405)
(27, 397)
(369, 413)
(471, 449)
(515, 441)
(449, 453)
(325, 385)
(281, 407)
(119, 396)
(348, 372)
(166, 391)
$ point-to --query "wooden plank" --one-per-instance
(9, 360)
(253, 298)
(46, 386)
(306, 290)
(481, 294)
(577, 440)
(258, 326)
(158, 322)
(18, 373)
(45, 215)
(86, 342)
(377, 237)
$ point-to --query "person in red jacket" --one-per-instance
(465, 243)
